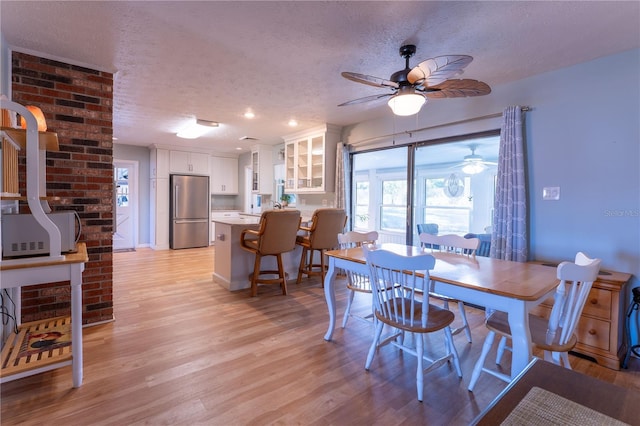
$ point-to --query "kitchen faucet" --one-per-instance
(277, 206)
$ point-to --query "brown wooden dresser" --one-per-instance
(600, 330)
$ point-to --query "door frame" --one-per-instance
(133, 165)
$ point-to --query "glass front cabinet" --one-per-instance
(310, 160)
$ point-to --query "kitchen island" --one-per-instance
(233, 265)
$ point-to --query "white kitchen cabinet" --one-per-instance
(159, 215)
(262, 170)
(188, 162)
(310, 160)
(224, 176)
(159, 163)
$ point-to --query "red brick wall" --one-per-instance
(77, 103)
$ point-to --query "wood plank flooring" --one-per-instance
(184, 351)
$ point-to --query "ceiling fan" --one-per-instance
(411, 87)
(473, 163)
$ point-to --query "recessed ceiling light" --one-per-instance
(293, 123)
(239, 148)
(249, 114)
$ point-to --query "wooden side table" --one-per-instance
(16, 363)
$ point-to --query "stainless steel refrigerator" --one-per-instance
(189, 210)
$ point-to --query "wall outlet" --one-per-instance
(551, 193)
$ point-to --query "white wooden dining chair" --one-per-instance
(454, 244)
(356, 283)
(556, 335)
(401, 301)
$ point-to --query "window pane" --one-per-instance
(393, 219)
(448, 195)
(379, 191)
(394, 192)
(362, 206)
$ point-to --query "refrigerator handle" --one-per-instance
(176, 191)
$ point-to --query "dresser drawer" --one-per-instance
(594, 332)
(598, 304)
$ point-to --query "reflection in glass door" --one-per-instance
(446, 187)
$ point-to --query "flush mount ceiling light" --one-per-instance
(249, 114)
(197, 128)
(406, 102)
(293, 123)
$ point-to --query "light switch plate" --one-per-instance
(551, 193)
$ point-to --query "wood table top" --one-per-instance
(519, 280)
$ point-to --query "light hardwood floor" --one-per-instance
(182, 351)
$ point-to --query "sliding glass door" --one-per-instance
(446, 187)
(379, 193)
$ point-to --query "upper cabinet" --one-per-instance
(262, 170)
(188, 162)
(224, 176)
(310, 160)
(159, 159)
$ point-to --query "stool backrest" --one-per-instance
(278, 230)
(326, 225)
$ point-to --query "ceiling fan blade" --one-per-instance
(369, 80)
(366, 99)
(456, 89)
(439, 69)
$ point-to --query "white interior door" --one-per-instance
(125, 174)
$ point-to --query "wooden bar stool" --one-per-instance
(322, 235)
(276, 235)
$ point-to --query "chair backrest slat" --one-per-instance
(450, 243)
(398, 292)
(356, 239)
(571, 294)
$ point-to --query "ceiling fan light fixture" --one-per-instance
(406, 104)
(473, 168)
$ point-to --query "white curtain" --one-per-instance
(509, 236)
(343, 178)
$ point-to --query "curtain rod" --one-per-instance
(435, 126)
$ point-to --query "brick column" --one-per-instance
(77, 103)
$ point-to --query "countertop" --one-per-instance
(247, 219)
(238, 220)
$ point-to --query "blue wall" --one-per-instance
(582, 134)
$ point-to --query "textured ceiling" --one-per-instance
(215, 60)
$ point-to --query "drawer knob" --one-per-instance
(593, 301)
(592, 332)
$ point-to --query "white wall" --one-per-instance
(582, 134)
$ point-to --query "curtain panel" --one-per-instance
(509, 237)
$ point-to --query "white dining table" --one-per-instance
(511, 287)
